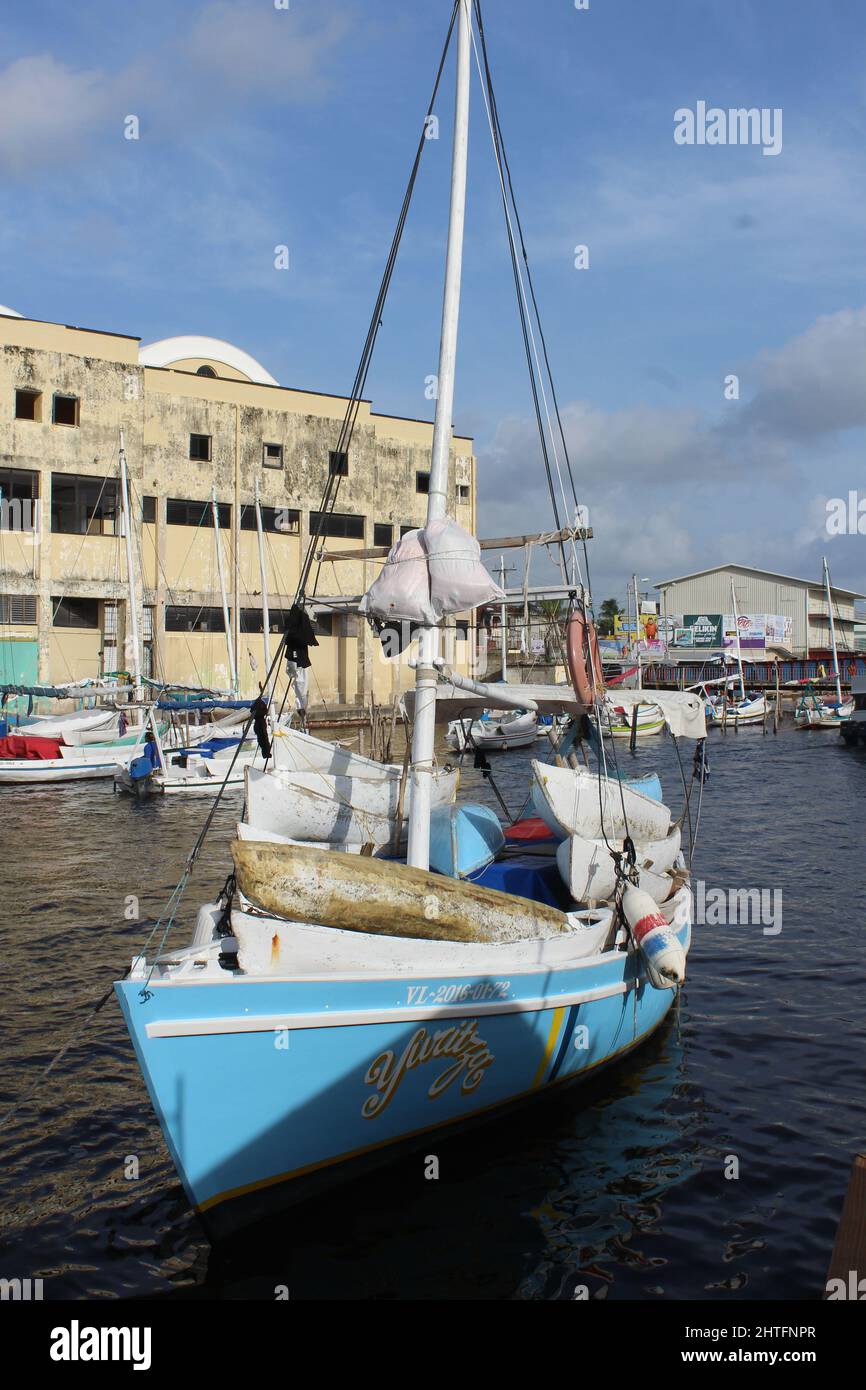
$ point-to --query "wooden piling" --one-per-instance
(849, 1249)
(778, 704)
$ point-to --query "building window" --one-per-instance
(18, 609)
(462, 492)
(19, 493)
(178, 619)
(181, 513)
(75, 612)
(84, 506)
(109, 623)
(404, 530)
(422, 482)
(272, 455)
(340, 524)
(64, 410)
(252, 621)
(148, 510)
(199, 447)
(285, 521)
(338, 464)
(205, 370)
(383, 534)
(28, 405)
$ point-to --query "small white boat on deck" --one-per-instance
(338, 809)
(588, 868)
(494, 731)
(576, 801)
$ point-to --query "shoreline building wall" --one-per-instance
(197, 414)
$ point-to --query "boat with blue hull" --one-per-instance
(333, 1005)
(267, 1081)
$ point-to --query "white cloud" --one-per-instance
(744, 474)
(252, 49)
(47, 109)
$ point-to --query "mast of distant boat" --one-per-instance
(832, 630)
(637, 634)
(424, 732)
(266, 616)
(737, 635)
(233, 670)
(130, 569)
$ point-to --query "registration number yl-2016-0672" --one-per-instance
(459, 994)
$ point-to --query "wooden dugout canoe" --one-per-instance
(385, 898)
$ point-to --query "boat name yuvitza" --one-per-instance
(470, 1053)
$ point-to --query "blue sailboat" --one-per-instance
(332, 1007)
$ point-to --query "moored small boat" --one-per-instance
(494, 731)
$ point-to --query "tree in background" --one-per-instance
(607, 615)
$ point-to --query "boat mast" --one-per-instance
(637, 634)
(832, 629)
(424, 732)
(266, 616)
(219, 556)
(503, 620)
(737, 632)
(130, 569)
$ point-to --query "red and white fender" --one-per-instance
(663, 956)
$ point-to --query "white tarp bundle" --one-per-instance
(428, 574)
(684, 713)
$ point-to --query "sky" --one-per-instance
(263, 126)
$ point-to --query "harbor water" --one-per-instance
(711, 1164)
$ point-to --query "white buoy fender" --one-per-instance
(663, 955)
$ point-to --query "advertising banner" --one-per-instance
(700, 630)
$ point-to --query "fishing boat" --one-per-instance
(642, 720)
(813, 712)
(495, 731)
(331, 1007)
(30, 761)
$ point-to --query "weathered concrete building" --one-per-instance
(803, 601)
(197, 414)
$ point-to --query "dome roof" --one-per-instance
(170, 352)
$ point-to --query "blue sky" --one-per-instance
(261, 127)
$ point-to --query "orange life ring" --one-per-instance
(583, 657)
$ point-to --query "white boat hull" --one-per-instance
(321, 807)
(575, 801)
(588, 870)
(496, 735)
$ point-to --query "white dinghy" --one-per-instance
(588, 869)
(340, 810)
(576, 801)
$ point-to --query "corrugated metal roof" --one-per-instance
(767, 574)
